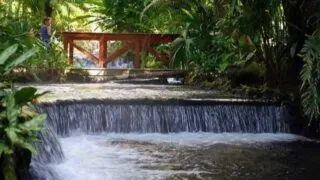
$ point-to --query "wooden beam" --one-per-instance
(120, 52)
(106, 49)
(158, 55)
(137, 54)
(150, 38)
(102, 34)
(71, 53)
(65, 44)
(102, 51)
(82, 36)
(160, 38)
(87, 53)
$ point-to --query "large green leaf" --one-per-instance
(26, 145)
(12, 110)
(7, 53)
(41, 94)
(12, 135)
(13, 114)
(4, 149)
(25, 95)
(12, 64)
(188, 13)
(35, 124)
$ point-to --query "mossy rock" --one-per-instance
(39, 75)
(251, 74)
(80, 76)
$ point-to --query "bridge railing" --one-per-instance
(138, 42)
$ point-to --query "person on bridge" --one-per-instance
(45, 31)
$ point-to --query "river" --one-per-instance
(125, 131)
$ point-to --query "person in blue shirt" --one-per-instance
(45, 31)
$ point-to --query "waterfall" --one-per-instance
(49, 151)
(148, 116)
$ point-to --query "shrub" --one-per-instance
(19, 122)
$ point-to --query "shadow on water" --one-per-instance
(294, 161)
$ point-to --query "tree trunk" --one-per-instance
(48, 9)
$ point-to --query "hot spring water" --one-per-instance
(141, 139)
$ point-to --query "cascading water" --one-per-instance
(49, 151)
(93, 117)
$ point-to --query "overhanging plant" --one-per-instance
(310, 76)
(19, 122)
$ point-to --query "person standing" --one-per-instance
(45, 31)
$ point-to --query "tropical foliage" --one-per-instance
(278, 38)
(310, 75)
(19, 122)
(276, 42)
(221, 34)
(125, 16)
(21, 28)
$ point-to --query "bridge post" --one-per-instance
(68, 47)
(137, 54)
(102, 51)
(71, 52)
(65, 44)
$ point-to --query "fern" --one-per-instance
(310, 76)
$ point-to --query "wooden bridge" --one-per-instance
(137, 42)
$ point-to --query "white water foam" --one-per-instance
(91, 157)
(203, 139)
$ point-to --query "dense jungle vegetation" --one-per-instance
(263, 48)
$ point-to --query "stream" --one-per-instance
(120, 131)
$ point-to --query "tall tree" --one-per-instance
(48, 8)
